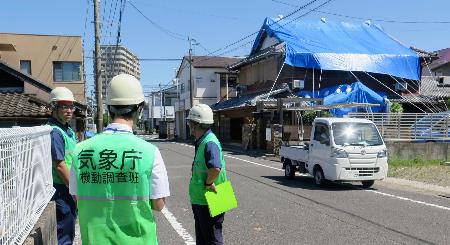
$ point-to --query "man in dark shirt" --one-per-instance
(63, 141)
(212, 152)
(208, 170)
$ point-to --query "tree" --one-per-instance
(396, 107)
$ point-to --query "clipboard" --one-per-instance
(222, 201)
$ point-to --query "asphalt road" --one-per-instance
(274, 210)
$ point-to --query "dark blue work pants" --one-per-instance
(66, 214)
(208, 230)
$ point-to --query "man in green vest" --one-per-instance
(63, 141)
(118, 178)
(208, 170)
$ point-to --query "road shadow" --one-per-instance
(307, 183)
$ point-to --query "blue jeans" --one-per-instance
(66, 214)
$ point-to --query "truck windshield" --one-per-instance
(364, 134)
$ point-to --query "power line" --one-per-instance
(254, 33)
(146, 59)
(362, 18)
(284, 18)
(159, 27)
(122, 9)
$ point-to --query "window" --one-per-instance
(25, 66)
(66, 71)
(359, 134)
(322, 134)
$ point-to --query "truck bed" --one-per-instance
(295, 152)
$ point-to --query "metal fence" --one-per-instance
(25, 180)
(410, 126)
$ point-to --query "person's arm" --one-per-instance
(212, 176)
(62, 171)
(58, 153)
(213, 163)
(159, 183)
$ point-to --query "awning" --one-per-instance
(246, 100)
(342, 46)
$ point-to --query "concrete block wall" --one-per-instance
(426, 151)
(44, 231)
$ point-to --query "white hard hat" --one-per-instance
(201, 113)
(124, 89)
(61, 94)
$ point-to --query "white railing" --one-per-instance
(410, 126)
(25, 180)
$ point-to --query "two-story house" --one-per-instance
(55, 60)
(30, 67)
(211, 83)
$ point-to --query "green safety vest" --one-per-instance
(69, 147)
(113, 190)
(197, 188)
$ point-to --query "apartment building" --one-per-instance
(125, 62)
(54, 60)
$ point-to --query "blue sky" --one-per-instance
(214, 24)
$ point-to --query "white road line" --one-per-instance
(178, 227)
(411, 200)
(377, 192)
(262, 165)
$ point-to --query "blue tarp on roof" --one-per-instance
(355, 92)
(342, 46)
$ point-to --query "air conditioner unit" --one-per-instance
(403, 86)
(298, 84)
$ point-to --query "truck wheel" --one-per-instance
(319, 178)
(289, 170)
(367, 183)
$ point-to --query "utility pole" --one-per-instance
(191, 84)
(161, 106)
(153, 111)
(99, 87)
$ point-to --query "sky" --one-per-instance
(161, 29)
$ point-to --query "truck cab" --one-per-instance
(341, 149)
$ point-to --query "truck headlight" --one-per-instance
(338, 153)
(382, 153)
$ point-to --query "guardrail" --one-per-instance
(427, 127)
(25, 180)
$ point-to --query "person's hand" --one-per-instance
(211, 187)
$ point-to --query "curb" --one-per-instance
(418, 185)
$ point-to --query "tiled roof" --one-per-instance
(213, 61)
(444, 58)
(246, 100)
(430, 93)
(22, 105)
(430, 87)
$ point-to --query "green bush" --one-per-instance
(417, 161)
(396, 108)
(308, 117)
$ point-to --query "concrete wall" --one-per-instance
(42, 51)
(205, 91)
(44, 231)
(427, 151)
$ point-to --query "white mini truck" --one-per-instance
(340, 149)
